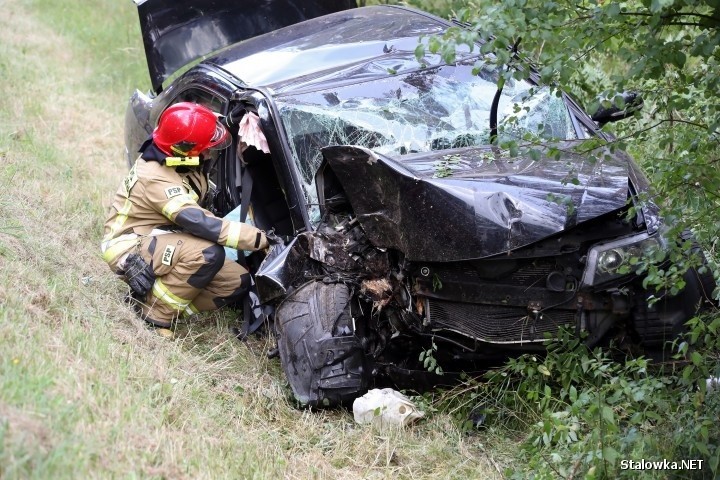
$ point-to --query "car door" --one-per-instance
(254, 175)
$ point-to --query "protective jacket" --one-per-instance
(156, 214)
(155, 196)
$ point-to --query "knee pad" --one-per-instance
(214, 259)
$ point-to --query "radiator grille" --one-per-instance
(495, 323)
(528, 274)
(531, 274)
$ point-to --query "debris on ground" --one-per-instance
(385, 407)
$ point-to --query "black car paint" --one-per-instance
(489, 204)
(488, 230)
(346, 47)
(337, 60)
(178, 32)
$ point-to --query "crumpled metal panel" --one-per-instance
(137, 125)
(283, 267)
(177, 32)
(486, 205)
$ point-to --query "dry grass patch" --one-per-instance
(25, 428)
(98, 394)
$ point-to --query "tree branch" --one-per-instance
(671, 15)
(638, 132)
(683, 24)
(676, 186)
(590, 49)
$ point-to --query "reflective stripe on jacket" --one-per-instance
(154, 195)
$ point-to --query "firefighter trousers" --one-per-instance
(192, 276)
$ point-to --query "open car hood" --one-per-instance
(472, 203)
(177, 32)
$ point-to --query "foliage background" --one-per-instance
(664, 49)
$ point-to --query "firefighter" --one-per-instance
(158, 238)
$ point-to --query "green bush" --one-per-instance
(583, 413)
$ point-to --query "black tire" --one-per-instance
(319, 350)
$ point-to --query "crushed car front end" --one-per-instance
(419, 277)
(441, 245)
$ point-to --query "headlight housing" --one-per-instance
(605, 260)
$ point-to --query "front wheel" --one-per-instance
(320, 351)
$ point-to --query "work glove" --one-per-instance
(232, 120)
(264, 243)
(138, 274)
(272, 238)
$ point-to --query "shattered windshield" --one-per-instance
(433, 109)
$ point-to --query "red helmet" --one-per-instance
(186, 129)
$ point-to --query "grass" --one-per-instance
(86, 391)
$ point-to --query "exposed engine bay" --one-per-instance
(379, 312)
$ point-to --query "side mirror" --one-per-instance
(632, 102)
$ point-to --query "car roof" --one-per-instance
(341, 48)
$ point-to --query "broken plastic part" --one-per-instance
(385, 407)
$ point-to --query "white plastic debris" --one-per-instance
(712, 384)
(385, 407)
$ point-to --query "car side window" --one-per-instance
(202, 97)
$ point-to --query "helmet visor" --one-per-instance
(221, 138)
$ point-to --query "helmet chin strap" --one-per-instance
(182, 161)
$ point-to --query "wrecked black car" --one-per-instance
(413, 243)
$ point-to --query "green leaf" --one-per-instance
(610, 455)
(607, 414)
(657, 5)
(434, 44)
(419, 51)
(613, 9)
(702, 448)
(639, 396)
(653, 415)
(696, 358)
(715, 461)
